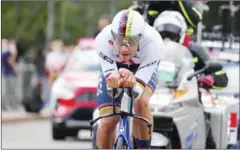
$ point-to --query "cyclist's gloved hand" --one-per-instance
(117, 93)
(128, 77)
(207, 82)
(114, 80)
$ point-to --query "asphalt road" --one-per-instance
(37, 135)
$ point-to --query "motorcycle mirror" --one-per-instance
(209, 68)
(196, 73)
(213, 67)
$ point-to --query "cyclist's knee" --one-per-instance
(145, 97)
(136, 107)
(143, 101)
(141, 104)
(109, 124)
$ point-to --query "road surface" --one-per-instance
(37, 135)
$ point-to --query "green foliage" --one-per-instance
(24, 20)
(27, 20)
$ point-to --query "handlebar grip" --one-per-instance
(112, 92)
(196, 73)
(115, 92)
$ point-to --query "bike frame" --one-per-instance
(125, 113)
(124, 130)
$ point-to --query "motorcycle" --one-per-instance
(184, 117)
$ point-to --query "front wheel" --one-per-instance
(121, 144)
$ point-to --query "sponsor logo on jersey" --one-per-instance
(148, 65)
(110, 42)
(106, 71)
(106, 58)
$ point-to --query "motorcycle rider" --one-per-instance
(151, 10)
(171, 25)
(190, 16)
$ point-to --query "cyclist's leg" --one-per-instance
(141, 107)
(106, 130)
(135, 128)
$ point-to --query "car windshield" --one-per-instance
(82, 61)
(175, 63)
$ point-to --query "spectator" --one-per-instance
(39, 62)
(55, 60)
(103, 22)
(9, 55)
(68, 49)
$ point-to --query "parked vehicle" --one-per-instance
(73, 94)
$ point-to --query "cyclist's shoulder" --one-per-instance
(105, 33)
(150, 31)
(104, 37)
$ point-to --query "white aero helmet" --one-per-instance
(171, 21)
(127, 27)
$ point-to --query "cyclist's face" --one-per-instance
(126, 52)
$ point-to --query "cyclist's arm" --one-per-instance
(148, 66)
(107, 63)
(106, 56)
(191, 14)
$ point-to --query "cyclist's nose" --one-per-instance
(124, 48)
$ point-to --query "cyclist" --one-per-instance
(130, 52)
(171, 24)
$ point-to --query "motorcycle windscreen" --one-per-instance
(176, 61)
(166, 71)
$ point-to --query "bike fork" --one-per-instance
(124, 132)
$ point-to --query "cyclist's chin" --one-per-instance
(125, 57)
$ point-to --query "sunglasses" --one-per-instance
(128, 41)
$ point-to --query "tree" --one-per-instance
(27, 20)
